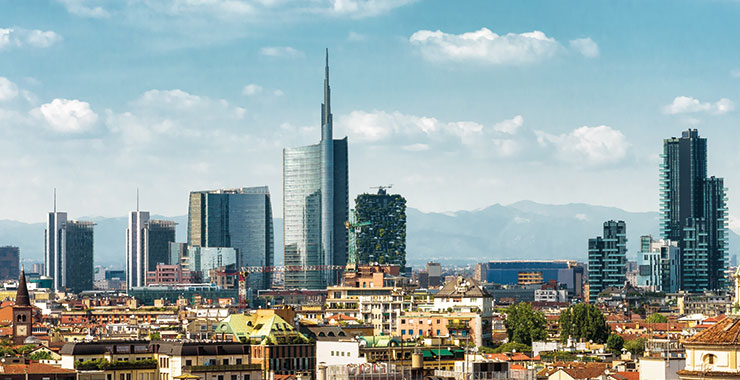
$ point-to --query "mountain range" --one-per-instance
(522, 230)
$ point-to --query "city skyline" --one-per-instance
(569, 109)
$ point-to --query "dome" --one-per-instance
(32, 340)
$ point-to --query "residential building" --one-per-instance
(607, 259)
(434, 275)
(316, 205)
(110, 360)
(660, 265)
(36, 371)
(68, 252)
(694, 212)
(9, 263)
(712, 353)
(204, 360)
(168, 274)
(383, 240)
(235, 218)
(147, 244)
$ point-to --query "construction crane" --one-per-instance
(353, 227)
(382, 189)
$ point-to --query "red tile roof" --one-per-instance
(33, 369)
(724, 332)
(626, 376)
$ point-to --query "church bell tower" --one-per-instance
(22, 312)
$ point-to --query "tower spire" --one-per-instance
(326, 117)
(137, 199)
(55, 200)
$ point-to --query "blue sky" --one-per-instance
(460, 105)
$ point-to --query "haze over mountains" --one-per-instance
(522, 230)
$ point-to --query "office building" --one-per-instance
(660, 265)
(316, 205)
(206, 260)
(434, 274)
(607, 259)
(383, 240)
(68, 253)
(239, 219)
(147, 244)
(694, 212)
(9, 263)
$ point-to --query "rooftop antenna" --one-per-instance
(137, 199)
(55, 200)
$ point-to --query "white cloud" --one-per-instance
(583, 217)
(416, 147)
(67, 116)
(485, 46)
(687, 104)
(586, 46)
(366, 8)
(8, 89)
(85, 8)
(281, 51)
(590, 146)
(252, 89)
(17, 37)
(354, 36)
(509, 126)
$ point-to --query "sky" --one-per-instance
(458, 105)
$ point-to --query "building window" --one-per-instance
(238, 361)
(225, 362)
(188, 362)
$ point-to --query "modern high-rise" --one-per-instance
(383, 240)
(239, 219)
(607, 259)
(694, 212)
(9, 263)
(147, 244)
(316, 205)
(660, 265)
(68, 253)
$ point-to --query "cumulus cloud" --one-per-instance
(17, 37)
(590, 146)
(8, 89)
(85, 8)
(366, 8)
(252, 89)
(485, 46)
(687, 104)
(281, 52)
(586, 46)
(67, 116)
(509, 126)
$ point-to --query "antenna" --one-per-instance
(55, 200)
(137, 199)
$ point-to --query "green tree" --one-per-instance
(40, 355)
(656, 318)
(583, 322)
(615, 343)
(635, 347)
(524, 324)
(155, 335)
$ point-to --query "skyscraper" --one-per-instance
(316, 204)
(607, 259)
(694, 212)
(9, 263)
(384, 239)
(236, 218)
(68, 252)
(147, 244)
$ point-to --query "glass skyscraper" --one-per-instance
(68, 253)
(236, 218)
(607, 259)
(694, 212)
(316, 205)
(147, 244)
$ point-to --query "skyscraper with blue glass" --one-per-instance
(316, 204)
(694, 212)
(607, 259)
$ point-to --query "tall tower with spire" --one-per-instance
(316, 203)
(22, 312)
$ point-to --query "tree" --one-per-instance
(615, 343)
(635, 347)
(40, 355)
(583, 322)
(656, 318)
(524, 324)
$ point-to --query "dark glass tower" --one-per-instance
(694, 212)
(607, 259)
(316, 204)
(235, 218)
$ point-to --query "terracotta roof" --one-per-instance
(626, 376)
(517, 366)
(33, 369)
(724, 332)
(715, 319)
(342, 317)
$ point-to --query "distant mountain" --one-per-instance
(523, 230)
